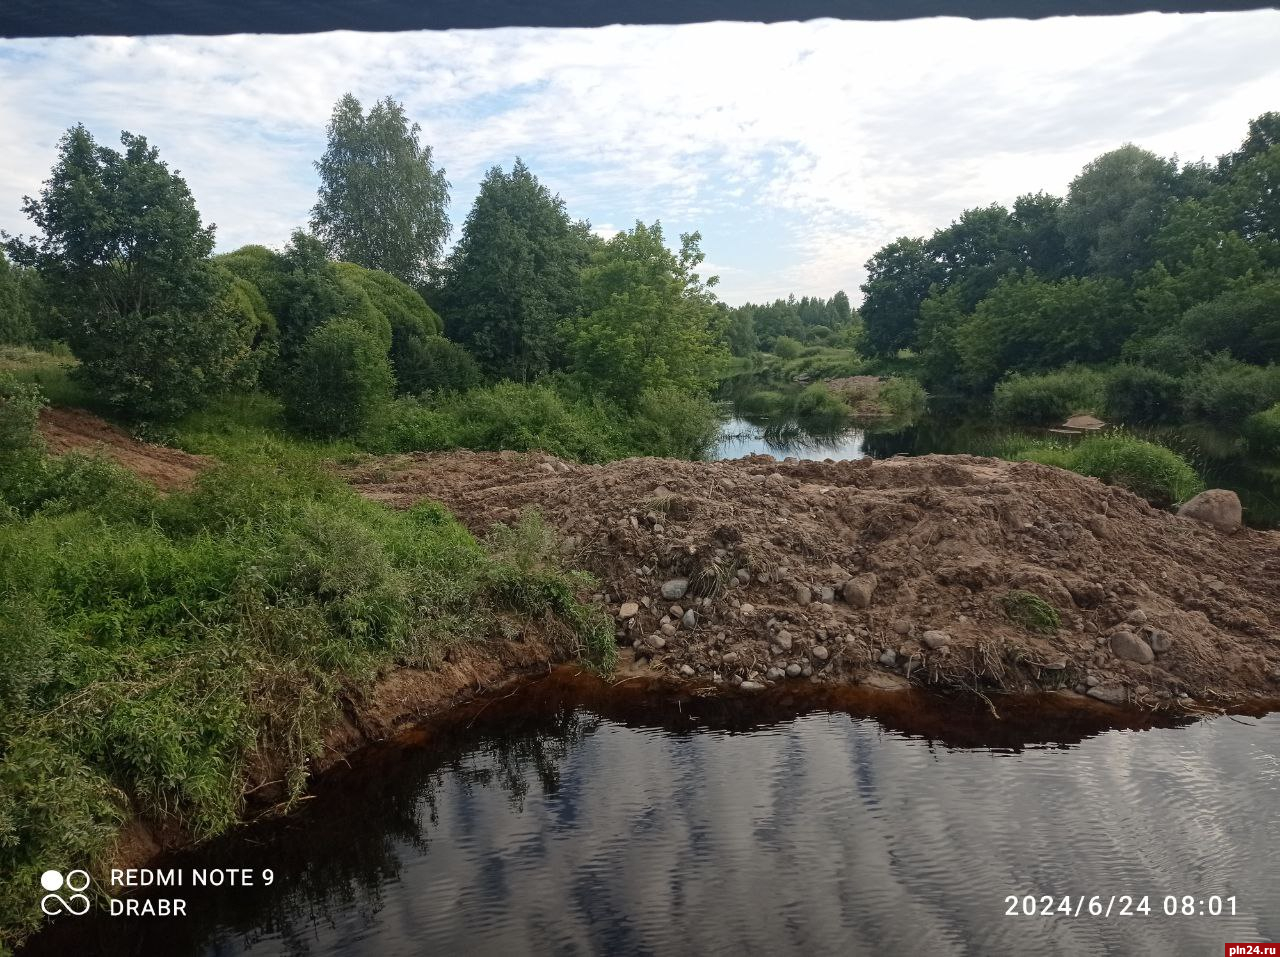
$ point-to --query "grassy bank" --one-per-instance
(154, 649)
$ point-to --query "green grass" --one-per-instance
(151, 646)
(1030, 611)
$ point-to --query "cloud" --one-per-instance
(797, 149)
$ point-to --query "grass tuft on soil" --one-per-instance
(1030, 611)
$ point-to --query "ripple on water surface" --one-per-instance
(565, 832)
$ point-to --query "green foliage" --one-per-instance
(816, 401)
(784, 347)
(1227, 392)
(514, 275)
(342, 380)
(1030, 611)
(807, 319)
(1136, 394)
(1049, 398)
(903, 396)
(899, 278)
(651, 320)
(1152, 471)
(1244, 321)
(1262, 431)
(17, 325)
(382, 203)
(433, 364)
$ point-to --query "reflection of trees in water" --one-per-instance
(334, 857)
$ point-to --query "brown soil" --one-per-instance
(767, 547)
(74, 430)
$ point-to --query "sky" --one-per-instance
(796, 149)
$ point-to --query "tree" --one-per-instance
(433, 364)
(341, 381)
(651, 320)
(899, 277)
(740, 331)
(16, 323)
(514, 275)
(123, 261)
(1244, 320)
(1042, 244)
(975, 251)
(382, 202)
(1114, 208)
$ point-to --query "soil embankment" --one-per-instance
(757, 572)
(74, 430)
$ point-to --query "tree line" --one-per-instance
(361, 307)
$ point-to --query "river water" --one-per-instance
(572, 818)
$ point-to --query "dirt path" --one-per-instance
(74, 430)
(759, 572)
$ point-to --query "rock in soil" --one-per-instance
(1218, 507)
(937, 539)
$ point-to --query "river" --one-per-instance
(569, 817)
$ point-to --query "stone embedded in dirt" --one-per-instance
(827, 594)
(936, 639)
(751, 686)
(656, 642)
(1136, 617)
(889, 658)
(901, 626)
(1111, 694)
(690, 619)
(783, 640)
(1160, 641)
(1127, 645)
(629, 609)
(667, 628)
(803, 595)
(794, 670)
(1218, 507)
(687, 671)
(820, 652)
(675, 589)
(858, 591)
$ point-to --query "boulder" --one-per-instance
(629, 609)
(936, 639)
(858, 591)
(1218, 507)
(1127, 645)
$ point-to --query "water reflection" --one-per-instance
(569, 819)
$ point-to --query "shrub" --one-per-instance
(818, 402)
(432, 364)
(1262, 431)
(674, 424)
(341, 381)
(1156, 473)
(1051, 397)
(903, 396)
(784, 347)
(1227, 392)
(1139, 394)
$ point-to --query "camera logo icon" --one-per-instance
(76, 903)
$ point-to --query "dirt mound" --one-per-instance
(755, 572)
(74, 430)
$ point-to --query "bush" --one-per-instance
(818, 402)
(1262, 431)
(674, 424)
(1157, 474)
(1136, 394)
(342, 381)
(1052, 397)
(784, 347)
(432, 364)
(1226, 392)
(903, 396)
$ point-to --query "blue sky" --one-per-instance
(796, 149)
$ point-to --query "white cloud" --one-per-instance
(797, 149)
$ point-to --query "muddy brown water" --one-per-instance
(570, 817)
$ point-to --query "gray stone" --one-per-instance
(1111, 694)
(747, 608)
(793, 670)
(730, 656)
(686, 671)
(668, 629)
(1092, 681)
(803, 595)
(656, 642)
(775, 674)
(629, 609)
(858, 591)
(820, 652)
(901, 626)
(889, 658)
(690, 619)
(674, 589)
(827, 594)
(1136, 617)
(743, 576)
(1127, 645)
(783, 638)
(1160, 641)
(751, 686)
(1218, 507)
(936, 639)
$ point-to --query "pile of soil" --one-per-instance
(757, 572)
(74, 430)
